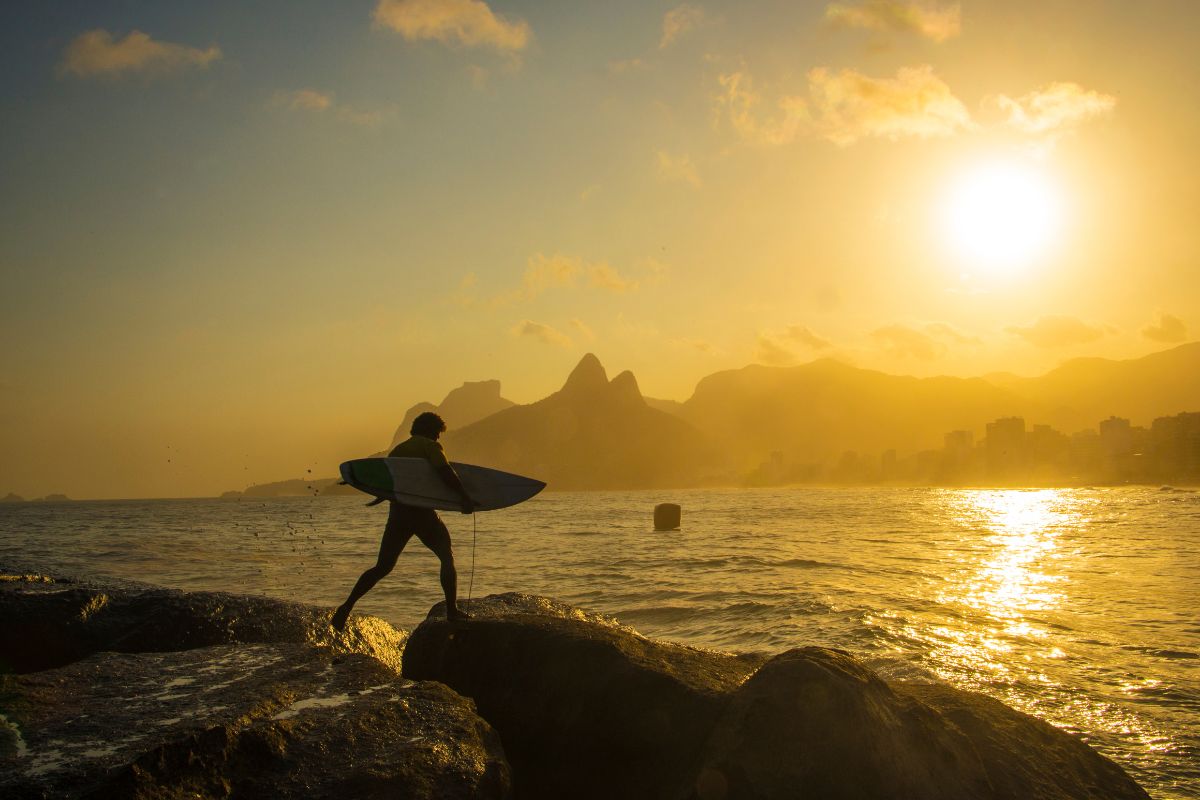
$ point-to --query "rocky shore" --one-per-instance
(134, 691)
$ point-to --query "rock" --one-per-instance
(279, 721)
(585, 708)
(1024, 756)
(50, 624)
(814, 722)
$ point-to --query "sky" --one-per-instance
(238, 240)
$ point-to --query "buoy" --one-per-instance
(666, 517)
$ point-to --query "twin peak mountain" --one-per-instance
(596, 433)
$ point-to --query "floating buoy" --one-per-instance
(666, 517)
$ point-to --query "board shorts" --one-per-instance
(424, 523)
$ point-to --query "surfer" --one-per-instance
(405, 521)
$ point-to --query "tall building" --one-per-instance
(1005, 448)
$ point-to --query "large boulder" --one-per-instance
(1026, 758)
(585, 707)
(814, 722)
(48, 622)
(279, 721)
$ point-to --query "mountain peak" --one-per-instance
(624, 388)
(588, 376)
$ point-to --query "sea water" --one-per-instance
(1079, 606)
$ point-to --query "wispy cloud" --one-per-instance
(908, 342)
(626, 65)
(678, 21)
(1054, 108)
(916, 103)
(700, 345)
(544, 272)
(845, 107)
(738, 103)
(541, 333)
(470, 23)
(1057, 331)
(314, 101)
(778, 349)
(678, 168)
(97, 53)
(583, 330)
(947, 332)
(1167, 328)
(935, 21)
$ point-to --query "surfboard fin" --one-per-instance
(375, 502)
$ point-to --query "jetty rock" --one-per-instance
(133, 691)
(263, 720)
(51, 621)
(587, 708)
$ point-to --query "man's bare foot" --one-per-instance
(338, 623)
(457, 615)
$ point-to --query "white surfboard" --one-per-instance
(414, 482)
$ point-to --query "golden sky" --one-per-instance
(238, 240)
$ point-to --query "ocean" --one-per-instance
(1079, 606)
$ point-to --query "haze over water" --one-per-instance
(1077, 606)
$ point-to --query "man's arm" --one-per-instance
(447, 474)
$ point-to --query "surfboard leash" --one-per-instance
(471, 584)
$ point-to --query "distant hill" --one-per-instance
(469, 403)
(816, 411)
(593, 433)
(1085, 390)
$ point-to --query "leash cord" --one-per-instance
(471, 585)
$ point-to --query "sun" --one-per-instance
(1001, 216)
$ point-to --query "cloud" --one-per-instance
(97, 53)
(798, 333)
(305, 100)
(542, 333)
(602, 276)
(771, 352)
(583, 329)
(678, 21)
(1167, 328)
(852, 106)
(318, 102)
(678, 168)
(775, 349)
(627, 65)
(1053, 108)
(700, 345)
(1057, 331)
(906, 342)
(948, 332)
(549, 272)
(470, 23)
(738, 103)
(929, 19)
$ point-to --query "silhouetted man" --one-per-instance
(404, 522)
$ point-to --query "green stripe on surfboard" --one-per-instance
(373, 472)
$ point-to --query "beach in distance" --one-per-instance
(1074, 605)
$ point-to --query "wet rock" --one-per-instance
(1026, 758)
(814, 722)
(280, 721)
(50, 622)
(585, 707)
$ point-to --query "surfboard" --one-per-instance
(414, 482)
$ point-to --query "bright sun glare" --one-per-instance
(1001, 216)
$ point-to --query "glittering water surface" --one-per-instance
(1081, 607)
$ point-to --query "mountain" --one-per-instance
(1085, 390)
(816, 411)
(469, 403)
(592, 433)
